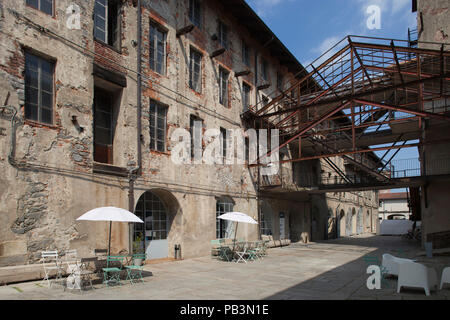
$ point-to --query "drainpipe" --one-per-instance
(258, 200)
(135, 172)
(139, 88)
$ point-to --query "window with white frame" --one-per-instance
(223, 227)
(195, 13)
(246, 96)
(157, 43)
(38, 88)
(195, 70)
(264, 70)
(223, 34)
(107, 22)
(245, 54)
(158, 123)
(45, 6)
(223, 86)
(266, 224)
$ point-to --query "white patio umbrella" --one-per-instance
(110, 214)
(237, 217)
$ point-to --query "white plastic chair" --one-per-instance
(390, 263)
(416, 275)
(445, 277)
(51, 262)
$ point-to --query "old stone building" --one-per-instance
(88, 111)
(433, 28)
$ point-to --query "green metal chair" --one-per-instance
(134, 272)
(256, 252)
(112, 274)
(225, 253)
(215, 248)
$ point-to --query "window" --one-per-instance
(223, 35)
(246, 96)
(196, 127)
(157, 49)
(195, 71)
(223, 227)
(266, 224)
(195, 13)
(279, 81)
(38, 89)
(107, 22)
(264, 68)
(245, 54)
(153, 212)
(265, 101)
(103, 125)
(158, 120)
(247, 149)
(42, 5)
(223, 142)
(223, 86)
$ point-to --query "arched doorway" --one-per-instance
(158, 209)
(360, 222)
(341, 223)
(353, 222)
(368, 222)
(348, 223)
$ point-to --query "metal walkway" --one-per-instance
(365, 95)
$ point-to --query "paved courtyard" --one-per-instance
(334, 269)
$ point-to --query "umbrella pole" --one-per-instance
(235, 233)
(109, 242)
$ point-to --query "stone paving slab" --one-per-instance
(329, 270)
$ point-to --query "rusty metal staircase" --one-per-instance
(365, 95)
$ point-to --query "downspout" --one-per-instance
(258, 201)
(136, 172)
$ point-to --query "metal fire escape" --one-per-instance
(365, 95)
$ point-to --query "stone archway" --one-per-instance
(342, 223)
(368, 222)
(162, 228)
(353, 222)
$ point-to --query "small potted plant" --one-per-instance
(138, 248)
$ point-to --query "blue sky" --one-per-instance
(309, 28)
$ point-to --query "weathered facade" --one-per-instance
(433, 26)
(86, 122)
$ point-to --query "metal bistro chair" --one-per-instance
(225, 253)
(241, 252)
(112, 274)
(134, 272)
(51, 262)
(257, 252)
(85, 273)
(215, 248)
(73, 280)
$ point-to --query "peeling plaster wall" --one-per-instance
(434, 26)
(433, 22)
(53, 182)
